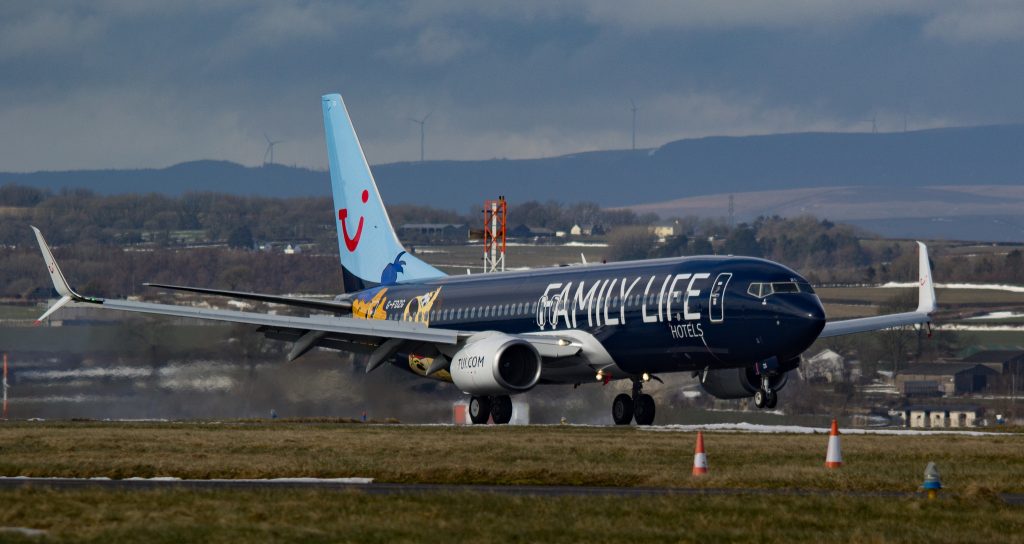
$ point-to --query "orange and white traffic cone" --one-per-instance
(834, 456)
(700, 459)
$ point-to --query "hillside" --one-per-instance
(987, 155)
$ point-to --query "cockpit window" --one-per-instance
(785, 287)
(764, 289)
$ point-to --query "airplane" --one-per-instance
(738, 324)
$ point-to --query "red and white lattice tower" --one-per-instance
(494, 234)
(5, 387)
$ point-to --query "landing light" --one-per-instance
(600, 375)
(646, 377)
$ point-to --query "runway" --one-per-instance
(365, 485)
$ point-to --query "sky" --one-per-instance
(128, 84)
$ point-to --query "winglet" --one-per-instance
(926, 288)
(60, 283)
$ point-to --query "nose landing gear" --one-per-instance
(766, 397)
(638, 406)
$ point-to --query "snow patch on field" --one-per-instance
(983, 286)
(996, 315)
(795, 429)
(988, 328)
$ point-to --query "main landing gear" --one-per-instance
(639, 406)
(498, 407)
(766, 397)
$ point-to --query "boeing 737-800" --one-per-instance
(737, 323)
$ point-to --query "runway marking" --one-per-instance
(344, 484)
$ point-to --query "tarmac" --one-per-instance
(365, 485)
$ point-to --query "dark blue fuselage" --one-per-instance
(654, 316)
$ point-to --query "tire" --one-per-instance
(773, 400)
(622, 409)
(760, 398)
(501, 409)
(479, 409)
(644, 410)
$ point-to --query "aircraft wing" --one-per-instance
(380, 337)
(925, 306)
(347, 326)
(313, 304)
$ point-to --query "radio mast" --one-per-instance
(494, 234)
(5, 387)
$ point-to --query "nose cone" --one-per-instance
(813, 314)
(804, 318)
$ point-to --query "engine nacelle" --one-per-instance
(497, 364)
(739, 383)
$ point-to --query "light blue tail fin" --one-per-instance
(370, 251)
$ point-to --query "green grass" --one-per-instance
(974, 470)
(550, 455)
(20, 312)
(91, 515)
(456, 259)
(878, 295)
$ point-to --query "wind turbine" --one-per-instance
(270, 149)
(874, 124)
(633, 108)
(422, 123)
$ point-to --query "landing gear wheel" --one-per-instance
(644, 410)
(622, 409)
(773, 399)
(760, 398)
(501, 409)
(479, 409)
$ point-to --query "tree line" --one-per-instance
(208, 238)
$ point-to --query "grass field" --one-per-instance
(544, 455)
(325, 516)
(974, 470)
(878, 295)
(455, 259)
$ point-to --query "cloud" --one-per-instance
(988, 23)
(46, 33)
(117, 83)
(433, 46)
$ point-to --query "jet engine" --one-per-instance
(497, 364)
(738, 383)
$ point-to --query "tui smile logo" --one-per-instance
(352, 242)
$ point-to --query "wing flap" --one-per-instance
(331, 324)
(313, 304)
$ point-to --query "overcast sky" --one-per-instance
(104, 84)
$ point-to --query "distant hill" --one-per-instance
(993, 213)
(987, 155)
